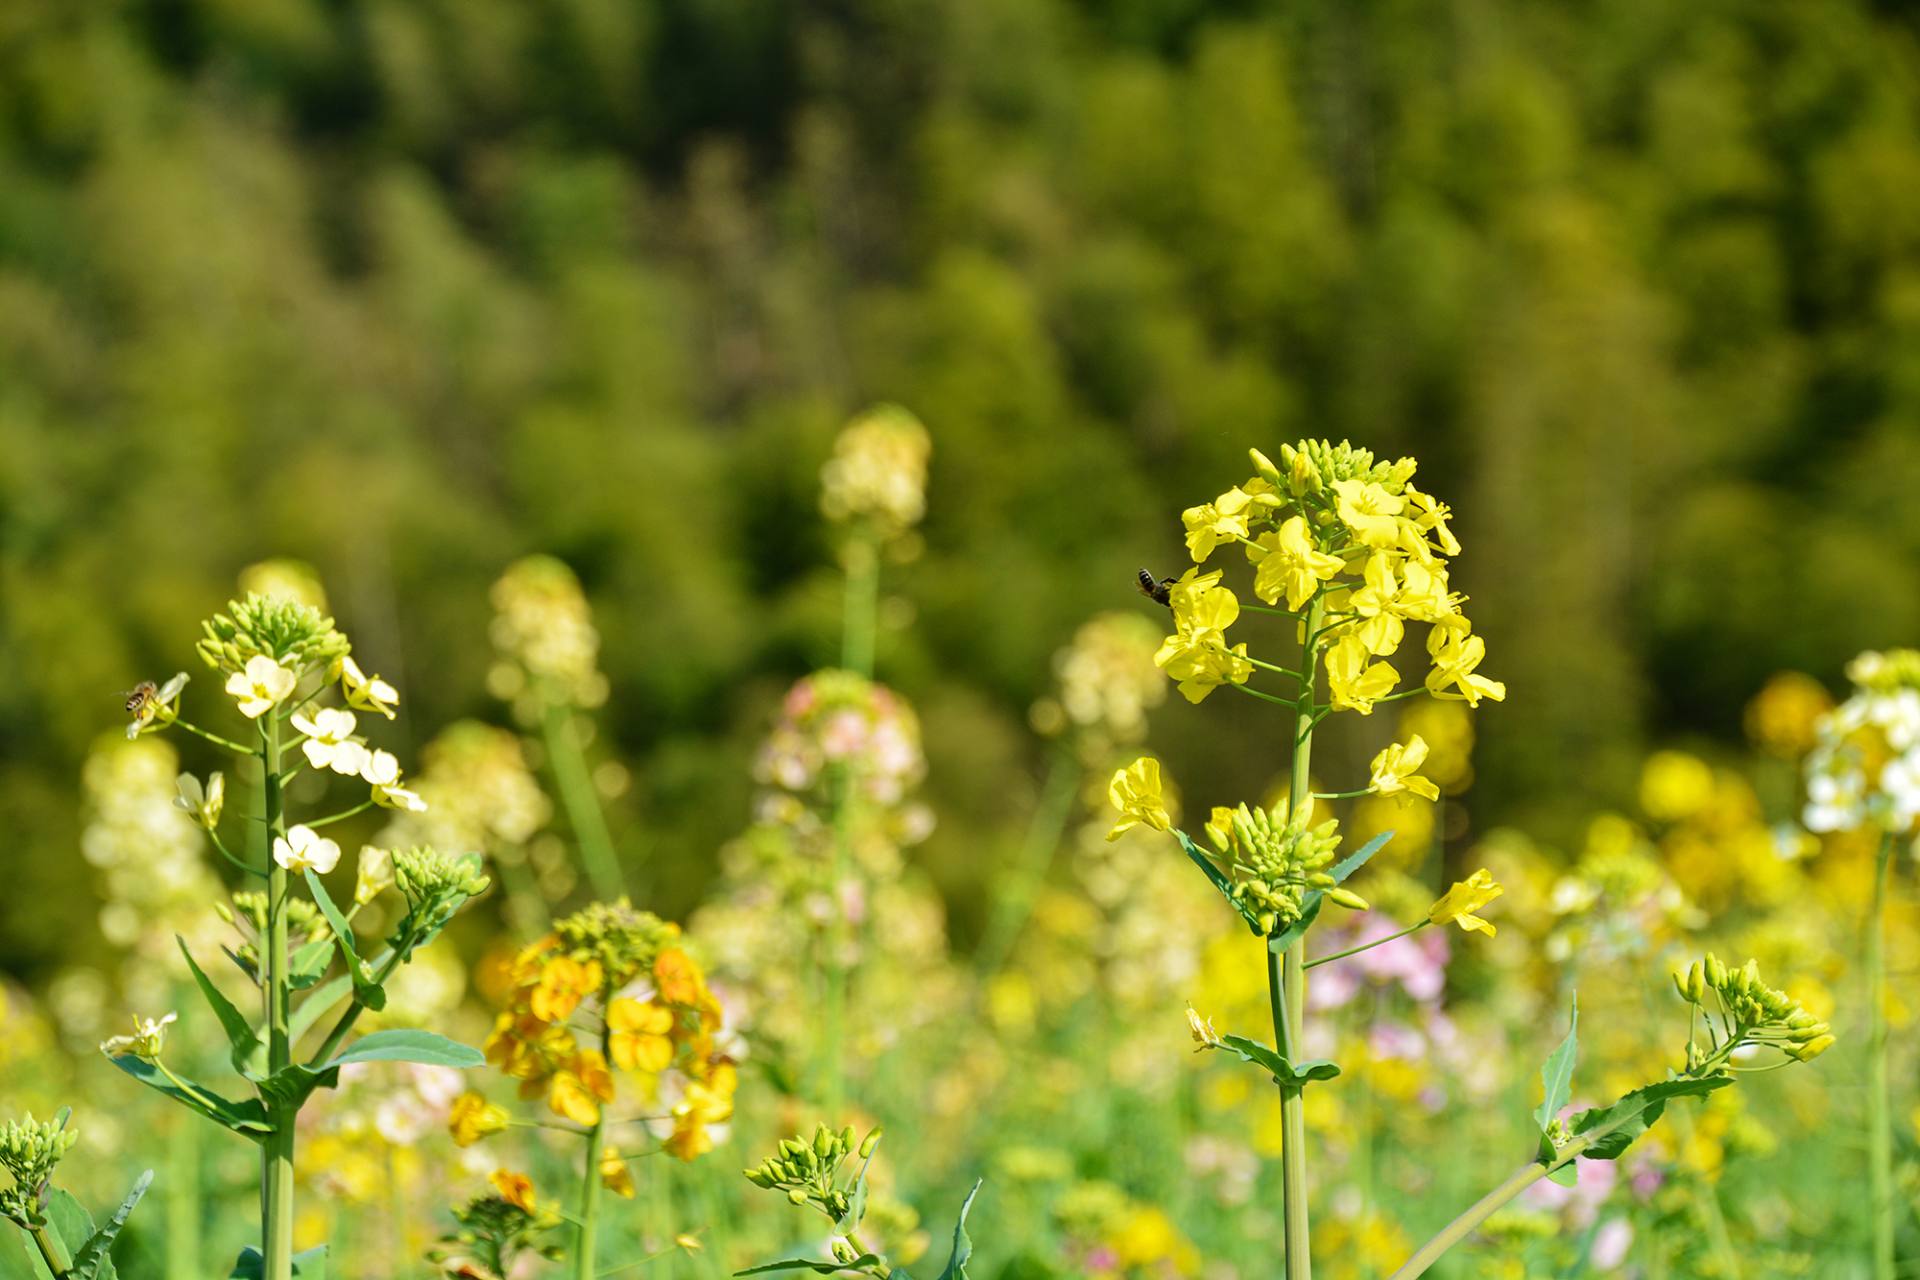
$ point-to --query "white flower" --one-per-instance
(261, 687)
(374, 875)
(365, 692)
(382, 772)
(1900, 781)
(330, 742)
(148, 1038)
(304, 849)
(202, 804)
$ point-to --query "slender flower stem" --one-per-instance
(214, 738)
(1288, 986)
(1879, 1101)
(1368, 946)
(1277, 669)
(582, 803)
(1250, 691)
(343, 815)
(583, 1259)
(228, 854)
(861, 617)
(276, 1180)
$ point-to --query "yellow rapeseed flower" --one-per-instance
(615, 1174)
(1467, 896)
(1395, 770)
(1196, 655)
(1370, 512)
(1136, 792)
(1355, 681)
(472, 1118)
(515, 1188)
(1457, 653)
(640, 1035)
(1290, 565)
(1211, 523)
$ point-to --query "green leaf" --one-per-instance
(1309, 912)
(69, 1219)
(962, 1243)
(1358, 858)
(1556, 1077)
(1566, 1175)
(91, 1261)
(18, 1254)
(364, 986)
(289, 1086)
(1283, 1071)
(1618, 1125)
(1215, 874)
(808, 1264)
(249, 1118)
(309, 964)
(311, 1265)
(240, 1035)
(410, 1046)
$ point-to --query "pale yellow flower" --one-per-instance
(1456, 655)
(330, 743)
(368, 693)
(1395, 770)
(304, 849)
(148, 1039)
(1136, 792)
(261, 687)
(1467, 896)
(381, 771)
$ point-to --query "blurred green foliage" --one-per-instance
(409, 287)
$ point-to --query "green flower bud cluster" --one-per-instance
(1314, 465)
(1276, 863)
(29, 1150)
(1759, 1014)
(624, 939)
(293, 634)
(808, 1170)
(493, 1233)
(425, 874)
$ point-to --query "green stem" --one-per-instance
(352, 1012)
(1014, 904)
(582, 802)
(1288, 985)
(228, 854)
(341, 816)
(1368, 946)
(52, 1251)
(183, 1200)
(276, 1157)
(583, 1260)
(1879, 1101)
(860, 619)
(214, 738)
(837, 933)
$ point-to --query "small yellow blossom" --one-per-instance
(1395, 770)
(1378, 607)
(330, 742)
(261, 687)
(381, 771)
(1369, 511)
(1457, 654)
(1467, 896)
(615, 1174)
(473, 1118)
(577, 1092)
(148, 1038)
(515, 1188)
(1202, 1028)
(1136, 792)
(705, 1104)
(1211, 523)
(1429, 520)
(1355, 681)
(1197, 655)
(640, 1035)
(304, 849)
(367, 693)
(1291, 565)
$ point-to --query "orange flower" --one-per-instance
(473, 1118)
(577, 1092)
(615, 1174)
(678, 977)
(526, 1048)
(640, 1035)
(564, 983)
(515, 1188)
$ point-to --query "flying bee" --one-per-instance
(142, 696)
(1159, 591)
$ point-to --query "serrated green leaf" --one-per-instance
(1358, 858)
(1216, 875)
(1556, 1077)
(410, 1046)
(1284, 1072)
(241, 1040)
(92, 1261)
(956, 1268)
(1619, 1124)
(311, 1265)
(809, 1264)
(249, 1118)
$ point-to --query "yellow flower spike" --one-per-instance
(1458, 904)
(1291, 565)
(1211, 523)
(472, 1118)
(1456, 655)
(263, 685)
(1394, 770)
(615, 1174)
(1354, 684)
(1136, 792)
(1369, 511)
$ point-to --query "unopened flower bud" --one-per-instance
(868, 1143)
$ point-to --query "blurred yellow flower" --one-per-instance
(1467, 896)
(615, 1174)
(148, 1039)
(1395, 770)
(1136, 792)
(1674, 785)
(472, 1118)
(705, 1103)
(640, 1035)
(515, 1188)
(261, 686)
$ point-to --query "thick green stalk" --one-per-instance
(582, 802)
(52, 1251)
(583, 1254)
(276, 1155)
(1879, 1102)
(1288, 988)
(183, 1200)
